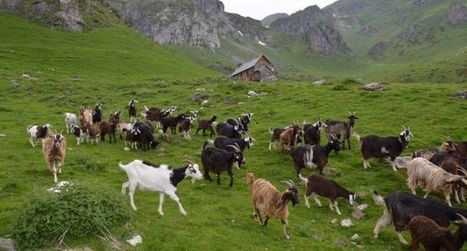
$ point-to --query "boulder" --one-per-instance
(374, 86)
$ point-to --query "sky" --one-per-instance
(258, 9)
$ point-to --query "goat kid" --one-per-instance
(54, 148)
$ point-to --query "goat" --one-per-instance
(124, 128)
(54, 149)
(36, 133)
(342, 129)
(446, 146)
(400, 208)
(70, 119)
(421, 172)
(133, 137)
(314, 156)
(146, 139)
(225, 143)
(108, 128)
(206, 124)
(312, 132)
(132, 109)
(93, 133)
(172, 123)
(185, 127)
(378, 147)
(319, 185)
(433, 237)
(158, 178)
(275, 134)
(85, 116)
(156, 114)
(229, 131)
(269, 202)
(219, 160)
(241, 122)
(290, 137)
(97, 113)
(80, 133)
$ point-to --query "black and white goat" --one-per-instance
(241, 122)
(37, 133)
(80, 133)
(97, 113)
(314, 156)
(228, 130)
(158, 178)
(400, 208)
(146, 139)
(319, 185)
(184, 128)
(219, 160)
(380, 147)
(132, 110)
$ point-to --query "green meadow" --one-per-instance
(45, 73)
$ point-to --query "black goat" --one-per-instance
(97, 114)
(314, 156)
(225, 143)
(380, 147)
(228, 130)
(312, 133)
(400, 208)
(206, 124)
(146, 139)
(219, 160)
(132, 109)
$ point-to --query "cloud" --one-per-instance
(258, 9)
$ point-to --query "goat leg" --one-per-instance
(231, 178)
(161, 201)
(286, 232)
(174, 197)
(266, 221)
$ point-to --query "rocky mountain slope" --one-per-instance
(271, 18)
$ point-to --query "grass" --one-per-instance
(219, 217)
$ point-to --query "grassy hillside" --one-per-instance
(114, 65)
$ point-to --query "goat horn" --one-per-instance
(287, 183)
(462, 171)
(235, 147)
(404, 127)
(293, 183)
(464, 220)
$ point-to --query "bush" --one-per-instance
(74, 212)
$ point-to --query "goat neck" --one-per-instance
(178, 175)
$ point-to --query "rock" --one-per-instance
(367, 30)
(7, 244)
(346, 223)
(271, 18)
(378, 50)
(374, 86)
(357, 214)
(340, 243)
(457, 14)
(199, 96)
(137, 239)
(229, 101)
(460, 95)
(334, 221)
(25, 76)
(2, 135)
(362, 207)
(253, 93)
(355, 237)
(60, 186)
(204, 102)
(319, 82)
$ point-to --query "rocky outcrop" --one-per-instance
(378, 50)
(317, 27)
(61, 14)
(367, 30)
(457, 14)
(271, 18)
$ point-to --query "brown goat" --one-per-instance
(54, 148)
(85, 116)
(93, 134)
(433, 237)
(271, 203)
(206, 124)
(290, 137)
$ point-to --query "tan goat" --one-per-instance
(54, 148)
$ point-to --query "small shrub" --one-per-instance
(350, 81)
(75, 212)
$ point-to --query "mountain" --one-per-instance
(72, 15)
(271, 18)
(424, 39)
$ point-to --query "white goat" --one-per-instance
(160, 179)
(421, 172)
(70, 119)
(36, 133)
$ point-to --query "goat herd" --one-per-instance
(440, 169)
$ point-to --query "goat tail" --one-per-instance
(122, 166)
(379, 200)
(250, 178)
(305, 180)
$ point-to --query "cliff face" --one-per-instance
(457, 14)
(317, 28)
